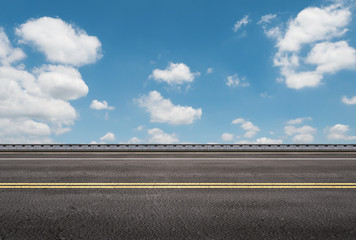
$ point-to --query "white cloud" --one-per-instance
(164, 111)
(59, 129)
(267, 18)
(22, 97)
(338, 132)
(249, 127)
(134, 140)
(97, 105)
(274, 32)
(59, 41)
(349, 101)
(238, 121)
(8, 54)
(61, 82)
(291, 130)
(332, 57)
(298, 120)
(109, 136)
(302, 134)
(250, 134)
(140, 128)
(303, 138)
(315, 24)
(227, 136)
(23, 130)
(35, 104)
(303, 79)
(313, 28)
(174, 74)
(235, 80)
(243, 22)
(209, 70)
(265, 140)
(158, 136)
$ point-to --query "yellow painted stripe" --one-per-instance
(172, 184)
(216, 187)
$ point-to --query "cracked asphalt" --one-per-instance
(177, 213)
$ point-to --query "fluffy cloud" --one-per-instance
(263, 140)
(109, 136)
(140, 128)
(315, 24)
(243, 22)
(315, 28)
(23, 97)
(267, 18)
(298, 120)
(24, 101)
(238, 121)
(349, 101)
(339, 132)
(303, 79)
(59, 41)
(235, 80)
(303, 138)
(332, 57)
(134, 140)
(302, 134)
(24, 130)
(157, 135)
(164, 111)
(209, 70)
(35, 104)
(174, 74)
(8, 54)
(97, 105)
(250, 129)
(227, 136)
(290, 130)
(274, 32)
(61, 82)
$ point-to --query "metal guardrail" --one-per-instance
(175, 147)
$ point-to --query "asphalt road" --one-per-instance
(176, 211)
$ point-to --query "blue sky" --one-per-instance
(177, 72)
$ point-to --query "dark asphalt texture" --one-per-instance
(178, 213)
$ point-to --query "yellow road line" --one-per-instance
(152, 186)
(173, 184)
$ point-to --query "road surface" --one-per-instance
(178, 195)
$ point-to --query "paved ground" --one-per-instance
(178, 213)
